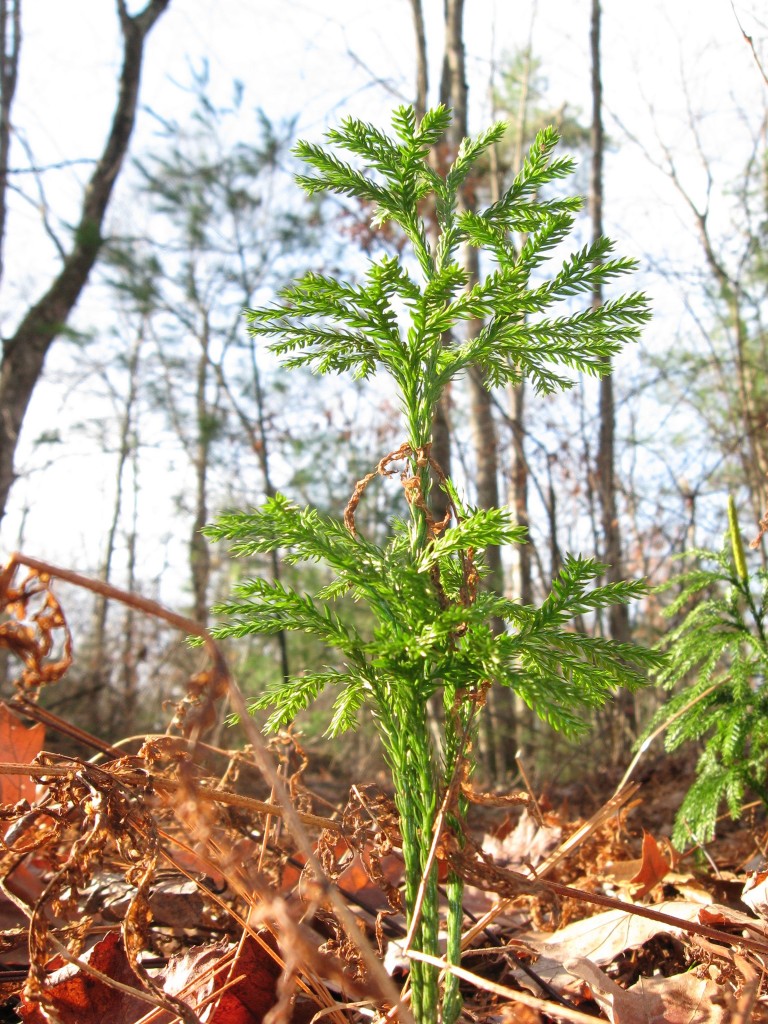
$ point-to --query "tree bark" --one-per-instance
(453, 93)
(484, 438)
(422, 71)
(199, 551)
(518, 492)
(10, 49)
(618, 617)
(518, 486)
(485, 441)
(98, 674)
(24, 353)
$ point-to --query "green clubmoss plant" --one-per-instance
(717, 662)
(431, 630)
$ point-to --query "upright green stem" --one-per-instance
(416, 800)
(417, 794)
(457, 720)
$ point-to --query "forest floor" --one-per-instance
(152, 888)
(186, 882)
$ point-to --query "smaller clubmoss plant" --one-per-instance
(717, 661)
(431, 631)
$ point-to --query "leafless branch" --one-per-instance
(60, 165)
(751, 43)
(42, 203)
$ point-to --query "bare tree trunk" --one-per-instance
(422, 70)
(618, 616)
(257, 435)
(129, 677)
(481, 408)
(10, 49)
(518, 497)
(199, 552)
(441, 424)
(518, 491)
(98, 676)
(485, 442)
(25, 351)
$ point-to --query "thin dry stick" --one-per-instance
(514, 879)
(376, 971)
(534, 802)
(265, 837)
(217, 968)
(658, 731)
(597, 819)
(556, 1010)
(751, 43)
(24, 706)
(608, 810)
(166, 787)
(143, 604)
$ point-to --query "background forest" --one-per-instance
(135, 405)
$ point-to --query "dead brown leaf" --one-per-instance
(82, 998)
(755, 893)
(653, 868)
(19, 744)
(680, 999)
(602, 938)
(79, 997)
(255, 973)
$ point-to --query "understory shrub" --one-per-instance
(716, 661)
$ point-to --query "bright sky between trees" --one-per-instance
(323, 60)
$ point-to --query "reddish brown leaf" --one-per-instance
(18, 744)
(80, 998)
(251, 997)
(652, 868)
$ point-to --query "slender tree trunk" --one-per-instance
(485, 443)
(258, 437)
(129, 677)
(98, 677)
(261, 446)
(10, 49)
(199, 552)
(518, 497)
(518, 491)
(422, 69)
(25, 351)
(618, 617)
(441, 425)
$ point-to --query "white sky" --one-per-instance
(321, 57)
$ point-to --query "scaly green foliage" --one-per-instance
(718, 654)
(432, 621)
